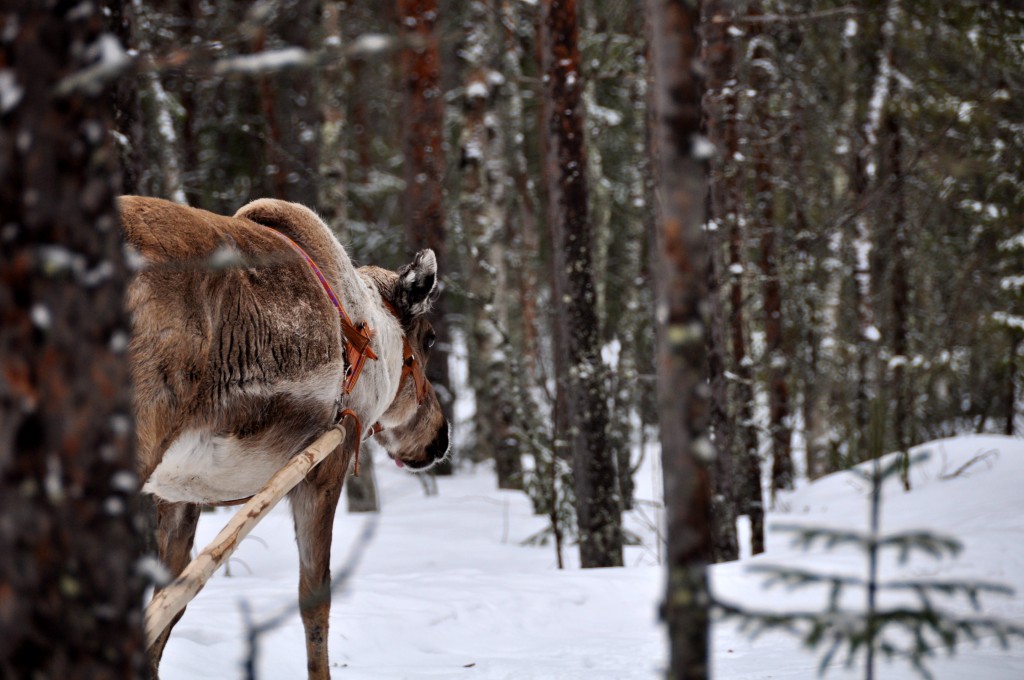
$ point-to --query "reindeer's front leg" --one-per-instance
(313, 504)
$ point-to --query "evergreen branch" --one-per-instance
(905, 542)
(857, 630)
(889, 469)
(925, 541)
(797, 578)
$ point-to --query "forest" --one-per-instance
(752, 244)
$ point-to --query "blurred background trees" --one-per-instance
(863, 272)
(864, 228)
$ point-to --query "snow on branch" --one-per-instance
(264, 62)
(111, 61)
(786, 18)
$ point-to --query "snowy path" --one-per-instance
(445, 590)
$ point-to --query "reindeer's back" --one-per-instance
(230, 329)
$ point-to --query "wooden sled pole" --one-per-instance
(166, 604)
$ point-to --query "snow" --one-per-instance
(371, 43)
(262, 62)
(1009, 320)
(445, 589)
(10, 91)
(477, 90)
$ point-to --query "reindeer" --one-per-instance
(251, 336)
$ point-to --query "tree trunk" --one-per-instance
(69, 539)
(127, 110)
(1009, 426)
(291, 107)
(718, 56)
(682, 394)
(482, 204)
(598, 510)
(422, 136)
(748, 465)
(777, 363)
(333, 94)
(902, 425)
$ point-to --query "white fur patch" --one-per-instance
(200, 468)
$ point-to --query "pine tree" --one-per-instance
(908, 632)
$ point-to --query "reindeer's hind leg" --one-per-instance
(175, 532)
(314, 501)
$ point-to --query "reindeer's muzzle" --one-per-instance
(434, 452)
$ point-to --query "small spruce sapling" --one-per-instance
(910, 631)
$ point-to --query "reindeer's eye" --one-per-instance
(431, 337)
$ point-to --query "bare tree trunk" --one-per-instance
(598, 510)
(332, 94)
(777, 368)
(69, 538)
(127, 109)
(903, 425)
(482, 203)
(422, 136)
(748, 448)
(718, 56)
(1009, 427)
(291, 107)
(682, 395)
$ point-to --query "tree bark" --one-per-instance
(777, 369)
(719, 126)
(291, 108)
(70, 546)
(902, 424)
(422, 136)
(682, 393)
(482, 204)
(127, 109)
(598, 509)
(748, 465)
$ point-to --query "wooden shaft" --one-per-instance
(168, 602)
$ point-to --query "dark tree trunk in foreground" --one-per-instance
(70, 585)
(598, 510)
(422, 134)
(682, 393)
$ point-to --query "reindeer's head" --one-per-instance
(416, 433)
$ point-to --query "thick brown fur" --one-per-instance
(237, 362)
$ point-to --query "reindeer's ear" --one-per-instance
(417, 283)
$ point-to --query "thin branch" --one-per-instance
(787, 18)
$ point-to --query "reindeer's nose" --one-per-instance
(438, 448)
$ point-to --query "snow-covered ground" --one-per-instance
(446, 590)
